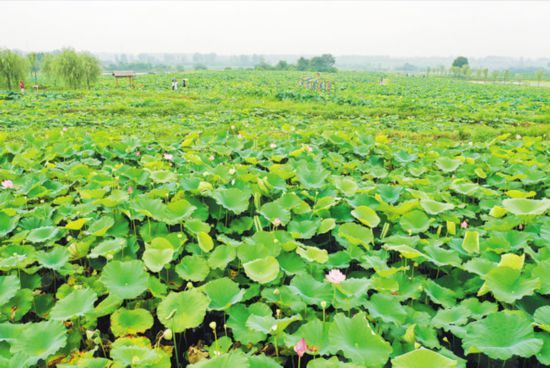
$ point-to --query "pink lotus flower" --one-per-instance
(335, 277)
(7, 184)
(301, 347)
(168, 156)
(277, 222)
(464, 224)
(138, 153)
(64, 129)
(273, 145)
(130, 190)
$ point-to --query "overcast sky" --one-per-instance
(395, 28)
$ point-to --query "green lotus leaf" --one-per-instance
(543, 355)
(233, 199)
(332, 362)
(356, 234)
(415, 222)
(262, 270)
(54, 259)
(7, 223)
(163, 176)
(262, 361)
(175, 212)
(387, 308)
(456, 316)
(157, 254)
(8, 287)
(434, 208)
(126, 280)
(508, 285)
(346, 185)
(303, 229)
(192, 268)
(77, 303)
(221, 256)
(101, 226)
(357, 341)
(238, 315)
(447, 164)
(233, 359)
(405, 157)
(108, 248)
(542, 318)
(312, 175)
(313, 254)
(522, 206)
(42, 234)
(205, 241)
(275, 212)
(423, 358)
(269, 325)
(326, 225)
(366, 215)
(137, 352)
(310, 290)
(471, 242)
(130, 321)
(39, 341)
(502, 335)
(315, 332)
(223, 293)
(477, 309)
(183, 310)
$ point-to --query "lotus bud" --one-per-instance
(232, 171)
(274, 328)
(239, 136)
(212, 325)
(109, 256)
(273, 145)
(276, 292)
(180, 235)
(135, 360)
(189, 285)
(167, 334)
(211, 158)
(277, 222)
(41, 201)
(69, 238)
(278, 313)
(233, 127)
(323, 304)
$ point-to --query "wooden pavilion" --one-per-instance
(124, 74)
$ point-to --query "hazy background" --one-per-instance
(394, 32)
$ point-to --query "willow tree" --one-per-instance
(13, 67)
(74, 69)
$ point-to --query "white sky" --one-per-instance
(395, 28)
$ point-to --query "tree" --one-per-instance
(13, 67)
(281, 65)
(73, 69)
(323, 63)
(302, 64)
(35, 60)
(460, 61)
(91, 68)
(539, 75)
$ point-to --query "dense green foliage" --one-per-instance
(400, 224)
(13, 68)
(74, 70)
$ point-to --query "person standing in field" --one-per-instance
(174, 84)
(22, 86)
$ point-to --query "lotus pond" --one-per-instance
(246, 222)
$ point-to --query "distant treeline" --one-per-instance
(323, 63)
(66, 67)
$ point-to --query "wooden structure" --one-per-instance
(124, 74)
(316, 83)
